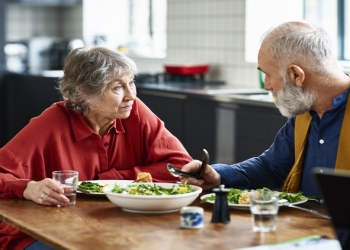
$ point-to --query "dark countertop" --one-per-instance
(214, 91)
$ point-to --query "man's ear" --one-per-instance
(296, 75)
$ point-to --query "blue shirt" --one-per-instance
(271, 168)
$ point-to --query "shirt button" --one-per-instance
(321, 141)
(106, 144)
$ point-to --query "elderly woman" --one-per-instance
(101, 129)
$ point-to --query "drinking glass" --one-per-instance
(68, 179)
(264, 209)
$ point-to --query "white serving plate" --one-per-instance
(152, 203)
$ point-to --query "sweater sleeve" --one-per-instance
(12, 175)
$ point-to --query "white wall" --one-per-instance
(208, 31)
(199, 31)
(102, 19)
(27, 21)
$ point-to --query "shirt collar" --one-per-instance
(81, 129)
(117, 127)
(341, 99)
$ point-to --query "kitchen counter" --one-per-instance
(214, 92)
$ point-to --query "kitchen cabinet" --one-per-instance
(2, 75)
(3, 111)
(199, 128)
(168, 107)
(26, 97)
(256, 128)
(225, 134)
(191, 121)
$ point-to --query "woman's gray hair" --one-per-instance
(300, 43)
(87, 73)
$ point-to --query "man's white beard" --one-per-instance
(292, 101)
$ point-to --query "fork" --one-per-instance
(284, 202)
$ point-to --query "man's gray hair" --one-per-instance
(300, 43)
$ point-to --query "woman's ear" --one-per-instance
(296, 75)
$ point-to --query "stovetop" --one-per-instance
(170, 78)
(191, 84)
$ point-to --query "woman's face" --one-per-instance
(117, 100)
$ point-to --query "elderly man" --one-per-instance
(312, 91)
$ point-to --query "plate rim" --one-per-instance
(151, 211)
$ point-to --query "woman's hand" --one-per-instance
(45, 192)
(211, 178)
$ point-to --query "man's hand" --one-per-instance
(210, 178)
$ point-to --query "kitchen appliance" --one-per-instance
(38, 60)
(16, 56)
(184, 73)
(194, 72)
(59, 50)
(186, 69)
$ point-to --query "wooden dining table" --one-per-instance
(96, 223)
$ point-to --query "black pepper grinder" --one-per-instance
(221, 212)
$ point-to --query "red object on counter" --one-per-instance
(186, 69)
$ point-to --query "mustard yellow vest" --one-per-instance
(301, 130)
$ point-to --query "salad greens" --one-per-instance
(152, 189)
(295, 197)
(234, 195)
(91, 187)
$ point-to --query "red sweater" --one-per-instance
(61, 139)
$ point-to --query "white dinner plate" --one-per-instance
(246, 206)
(103, 183)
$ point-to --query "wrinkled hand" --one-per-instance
(45, 192)
(211, 178)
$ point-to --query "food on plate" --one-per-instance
(295, 197)
(144, 177)
(238, 196)
(244, 198)
(152, 189)
(92, 187)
